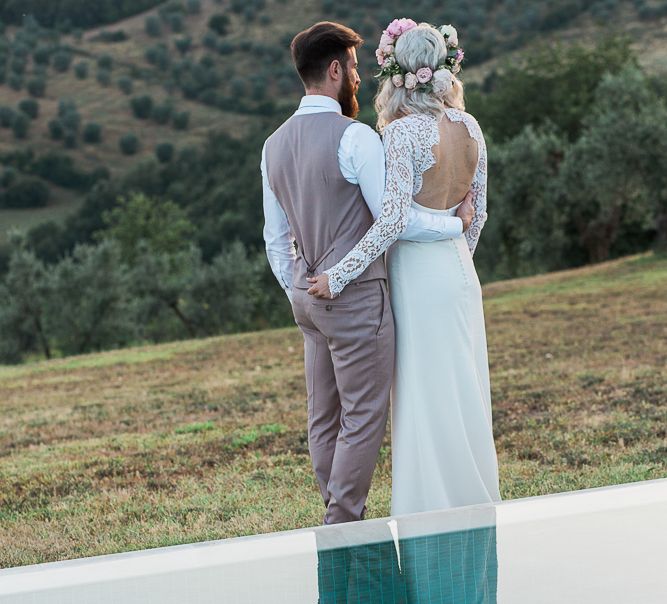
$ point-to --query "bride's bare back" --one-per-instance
(432, 161)
(449, 180)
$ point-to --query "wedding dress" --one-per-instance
(443, 452)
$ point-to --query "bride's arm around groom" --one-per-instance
(361, 158)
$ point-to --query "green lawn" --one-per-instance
(206, 439)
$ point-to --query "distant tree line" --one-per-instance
(72, 13)
(140, 280)
(577, 160)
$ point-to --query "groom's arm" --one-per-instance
(363, 149)
(277, 235)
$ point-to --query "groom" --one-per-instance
(323, 181)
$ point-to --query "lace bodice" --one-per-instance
(408, 145)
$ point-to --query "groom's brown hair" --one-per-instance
(314, 48)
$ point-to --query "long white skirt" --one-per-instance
(443, 453)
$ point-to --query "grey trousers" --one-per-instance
(349, 363)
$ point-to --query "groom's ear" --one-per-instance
(335, 71)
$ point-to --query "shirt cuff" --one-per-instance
(457, 226)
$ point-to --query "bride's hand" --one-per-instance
(320, 287)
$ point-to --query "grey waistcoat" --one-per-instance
(326, 213)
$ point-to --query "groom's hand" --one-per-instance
(320, 287)
(466, 211)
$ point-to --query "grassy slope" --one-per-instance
(206, 439)
(110, 107)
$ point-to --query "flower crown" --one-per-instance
(440, 81)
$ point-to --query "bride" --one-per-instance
(443, 453)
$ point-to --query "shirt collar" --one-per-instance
(319, 100)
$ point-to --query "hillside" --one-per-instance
(232, 77)
(206, 439)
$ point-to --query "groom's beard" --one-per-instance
(347, 97)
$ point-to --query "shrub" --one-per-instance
(142, 106)
(193, 6)
(56, 130)
(62, 61)
(225, 48)
(158, 56)
(172, 7)
(37, 86)
(6, 117)
(18, 65)
(176, 23)
(152, 26)
(42, 55)
(129, 144)
(126, 84)
(20, 125)
(70, 139)
(8, 177)
(15, 81)
(209, 97)
(92, 133)
(104, 77)
(118, 35)
(162, 113)
(105, 62)
(59, 169)
(71, 120)
(164, 152)
(30, 107)
(207, 61)
(27, 193)
(183, 45)
(219, 24)
(210, 40)
(181, 120)
(81, 70)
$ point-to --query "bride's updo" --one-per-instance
(420, 47)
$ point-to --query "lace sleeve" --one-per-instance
(393, 219)
(478, 189)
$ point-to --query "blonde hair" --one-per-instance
(423, 46)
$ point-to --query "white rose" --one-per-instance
(397, 80)
(410, 81)
(443, 81)
(453, 36)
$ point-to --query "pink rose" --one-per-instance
(397, 80)
(442, 81)
(386, 50)
(386, 40)
(410, 81)
(379, 55)
(424, 74)
(400, 26)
